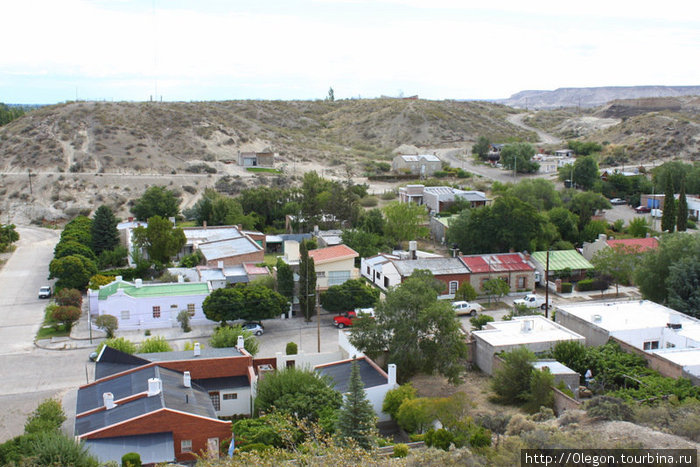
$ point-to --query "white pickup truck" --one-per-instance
(532, 301)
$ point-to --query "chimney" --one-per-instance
(392, 374)
(108, 399)
(186, 379)
(180, 279)
(220, 264)
(204, 224)
(241, 343)
(197, 349)
(602, 237)
(526, 326)
(412, 247)
(131, 219)
(138, 283)
(155, 386)
(118, 278)
(315, 231)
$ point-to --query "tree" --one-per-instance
(395, 397)
(108, 324)
(518, 157)
(227, 336)
(252, 302)
(155, 344)
(511, 381)
(405, 221)
(592, 230)
(495, 287)
(306, 394)
(69, 297)
(118, 343)
(481, 147)
(638, 227)
(351, 294)
(478, 322)
(465, 292)
(541, 394)
(215, 208)
(537, 192)
(654, 268)
(160, 239)
(585, 204)
(683, 286)
(365, 243)
(71, 247)
(566, 223)
(79, 230)
(584, 148)
(682, 215)
(72, 271)
(8, 235)
(183, 317)
(285, 280)
(585, 172)
(356, 419)
(47, 417)
(156, 201)
(372, 221)
(331, 95)
(414, 330)
(617, 262)
(307, 282)
(104, 232)
(668, 218)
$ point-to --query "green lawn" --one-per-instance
(263, 169)
(271, 259)
(49, 329)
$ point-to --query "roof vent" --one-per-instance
(241, 343)
(597, 318)
(197, 349)
(186, 379)
(108, 399)
(138, 283)
(155, 386)
(527, 325)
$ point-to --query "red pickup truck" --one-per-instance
(346, 319)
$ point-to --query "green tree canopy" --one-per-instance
(668, 218)
(677, 172)
(638, 227)
(104, 234)
(405, 221)
(582, 148)
(307, 282)
(356, 418)
(156, 201)
(585, 172)
(215, 208)
(617, 262)
(365, 243)
(417, 332)
(351, 294)
(160, 239)
(682, 208)
(683, 285)
(73, 271)
(495, 288)
(79, 230)
(518, 156)
(584, 204)
(566, 223)
(8, 235)
(306, 394)
(227, 336)
(252, 302)
(537, 192)
(71, 247)
(481, 147)
(511, 381)
(285, 280)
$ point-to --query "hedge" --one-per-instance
(591, 284)
(566, 287)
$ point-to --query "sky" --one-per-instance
(190, 50)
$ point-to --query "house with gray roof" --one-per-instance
(451, 271)
(439, 198)
(421, 164)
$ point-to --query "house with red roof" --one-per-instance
(636, 245)
(334, 264)
(514, 268)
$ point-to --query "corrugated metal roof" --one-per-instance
(505, 262)
(227, 248)
(437, 266)
(154, 290)
(418, 157)
(562, 259)
(211, 274)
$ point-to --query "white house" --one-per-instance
(380, 270)
(423, 164)
(672, 337)
(536, 333)
(334, 265)
(149, 306)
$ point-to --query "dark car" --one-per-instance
(642, 209)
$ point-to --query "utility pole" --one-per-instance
(546, 287)
(318, 318)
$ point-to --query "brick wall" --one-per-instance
(562, 402)
(183, 426)
(264, 361)
(211, 367)
(255, 257)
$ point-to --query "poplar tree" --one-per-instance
(682, 216)
(356, 418)
(668, 218)
(307, 282)
(104, 230)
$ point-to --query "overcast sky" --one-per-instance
(57, 50)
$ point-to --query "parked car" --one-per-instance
(657, 213)
(254, 328)
(466, 308)
(532, 301)
(618, 201)
(346, 318)
(642, 209)
(45, 292)
(254, 322)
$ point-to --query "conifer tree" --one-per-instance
(104, 232)
(285, 280)
(682, 216)
(307, 282)
(356, 418)
(668, 218)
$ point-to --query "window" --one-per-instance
(124, 315)
(386, 282)
(522, 282)
(156, 312)
(338, 277)
(190, 309)
(453, 287)
(321, 274)
(232, 396)
(651, 345)
(186, 445)
(504, 279)
(215, 400)
(173, 307)
(367, 269)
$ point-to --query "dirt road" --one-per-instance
(545, 138)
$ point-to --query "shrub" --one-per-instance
(592, 284)
(58, 449)
(48, 416)
(480, 437)
(440, 174)
(389, 195)
(227, 336)
(184, 319)
(519, 424)
(155, 344)
(291, 348)
(260, 447)
(566, 287)
(108, 324)
(67, 315)
(571, 416)
(415, 414)
(131, 459)
(369, 201)
(465, 292)
(540, 396)
(544, 414)
(118, 343)
(400, 450)
(511, 382)
(440, 439)
(98, 279)
(609, 408)
(69, 297)
(395, 397)
(478, 322)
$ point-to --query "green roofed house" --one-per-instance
(562, 263)
(149, 306)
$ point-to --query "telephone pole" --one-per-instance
(318, 318)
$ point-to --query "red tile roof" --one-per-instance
(496, 263)
(640, 244)
(332, 253)
(252, 269)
